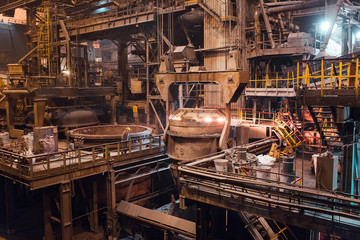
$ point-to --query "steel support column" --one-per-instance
(147, 108)
(123, 65)
(65, 210)
(39, 111)
(347, 161)
(113, 110)
(111, 203)
(48, 232)
(202, 211)
(94, 219)
(10, 206)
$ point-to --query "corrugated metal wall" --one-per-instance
(212, 97)
(215, 33)
(12, 44)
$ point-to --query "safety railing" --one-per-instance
(331, 74)
(318, 75)
(276, 80)
(199, 178)
(252, 173)
(42, 165)
(248, 115)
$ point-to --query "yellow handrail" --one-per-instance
(325, 77)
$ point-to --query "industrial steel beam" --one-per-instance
(232, 82)
(111, 204)
(65, 210)
(16, 4)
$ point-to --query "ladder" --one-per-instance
(44, 56)
(286, 130)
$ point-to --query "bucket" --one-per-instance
(261, 174)
(221, 165)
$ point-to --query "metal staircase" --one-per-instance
(329, 129)
(44, 40)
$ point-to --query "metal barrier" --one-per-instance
(273, 81)
(319, 75)
(249, 171)
(43, 165)
(248, 115)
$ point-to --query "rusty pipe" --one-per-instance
(257, 29)
(294, 7)
(9, 91)
(267, 24)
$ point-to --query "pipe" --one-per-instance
(28, 54)
(8, 91)
(206, 159)
(68, 52)
(226, 130)
(257, 29)
(267, 24)
(276, 4)
(304, 5)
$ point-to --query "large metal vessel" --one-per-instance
(194, 132)
(111, 132)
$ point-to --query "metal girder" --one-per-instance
(58, 92)
(73, 91)
(48, 231)
(111, 204)
(232, 82)
(15, 4)
(95, 24)
(66, 210)
(332, 97)
(281, 52)
(270, 92)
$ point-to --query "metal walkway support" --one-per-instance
(66, 210)
(294, 204)
(111, 204)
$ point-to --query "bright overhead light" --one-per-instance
(358, 35)
(207, 119)
(221, 120)
(67, 72)
(325, 26)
